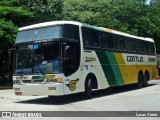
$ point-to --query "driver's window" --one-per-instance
(71, 57)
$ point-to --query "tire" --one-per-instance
(145, 80)
(51, 97)
(140, 81)
(88, 89)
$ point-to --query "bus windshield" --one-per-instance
(39, 50)
(38, 58)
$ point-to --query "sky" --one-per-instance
(148, 1)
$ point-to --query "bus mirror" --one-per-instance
(66, 48)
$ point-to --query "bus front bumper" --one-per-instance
(54, 89)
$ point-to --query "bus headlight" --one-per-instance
(59, 80)
(16, 81)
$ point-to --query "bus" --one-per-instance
(65, 57)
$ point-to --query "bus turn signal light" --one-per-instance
(58, 80)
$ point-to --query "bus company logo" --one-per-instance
(72, 84)
(90, 59)
(135, 59)
(21, 114)
(22, 78)
(6, 114)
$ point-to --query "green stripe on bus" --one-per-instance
(115, 68)
(110, 68)
(106, 66)
(92, 27)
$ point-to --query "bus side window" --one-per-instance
(94, 39)
(139, 46)
(86, 37)
(71, 31)
(145, 46)
(151, 48)
(106, 41)
(90, 38)
(130, 45)
(119, 43)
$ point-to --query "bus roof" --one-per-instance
(117, 32)
(46, 24)
(52, 23)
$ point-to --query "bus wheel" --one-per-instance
(146, 79)
(88, 89)
(140, 80)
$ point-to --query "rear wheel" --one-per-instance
(146, 79)
(140, 80)
(88, 89)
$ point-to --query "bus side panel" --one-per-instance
(136, 63)
(127, 71)
(110, 68)
(92, 64)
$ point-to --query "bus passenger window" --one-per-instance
(86, 37)
(130, 45)
(151, 48)
(90, 38)
(139, 46)
(94, 41)
(106, 41)
(145, 47)
(119, 43)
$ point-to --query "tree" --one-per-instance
(11, 16)
(43, 10)
(130, 16)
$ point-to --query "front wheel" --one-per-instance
(88, 89)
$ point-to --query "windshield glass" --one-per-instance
(23, 59)
(47, 57)
(39, 50)
(39, 58)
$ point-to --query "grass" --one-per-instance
(6, 87)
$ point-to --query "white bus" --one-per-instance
(65, 57)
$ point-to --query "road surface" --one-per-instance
(126, 98)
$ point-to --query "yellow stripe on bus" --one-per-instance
(129, 72)
(107, 30)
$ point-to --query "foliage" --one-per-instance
(43, 10)
(130, 16)
(11, 16)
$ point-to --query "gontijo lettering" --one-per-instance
(134, 59)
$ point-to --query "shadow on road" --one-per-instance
(67, 99)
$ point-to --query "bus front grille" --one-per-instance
(32, 81)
